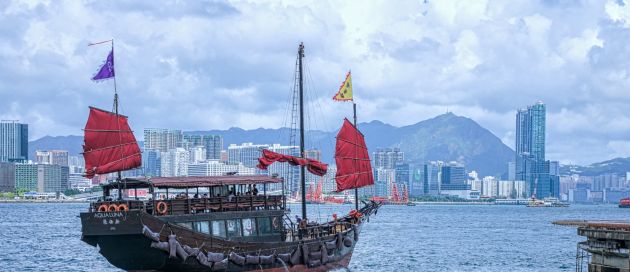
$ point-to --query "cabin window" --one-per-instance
(264, 226)
(201, 227)
(233, 227)
(249, 226)
(187, 225)
(218, 228)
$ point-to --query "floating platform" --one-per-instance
(607, 246)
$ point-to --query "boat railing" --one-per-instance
(178, 206)
(116, 205)
(214, 204)
(314, 230)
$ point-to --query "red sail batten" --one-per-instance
(110, 145)
(313, 166)
(354, 169)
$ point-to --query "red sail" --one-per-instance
(109, 144)
(353, 161)
(313, 166)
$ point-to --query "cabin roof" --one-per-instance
(191, 182)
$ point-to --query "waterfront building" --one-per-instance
(453, 177)
(387, 157)
(52, 178)
(475, 184)
(174, 163)
(13, 141)
(217, 168)
(432, 176)
(530, 163)
(7, 177)
(43, 178)
(78, 182)
(151, 162)
(384, 180)
(489, 187)
(581, 193)
(416, 180)
(162, 139)
(614, 195)
(26, 177)
(56, 157)
(213, 144)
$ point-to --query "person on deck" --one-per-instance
(230, 195)
(255, 190)
(302, 228)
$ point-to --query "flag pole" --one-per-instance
(119, 174)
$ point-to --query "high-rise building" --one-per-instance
(162, 139)
(174, 163)
(246, 153)
(403, 177)
(56, 157)
(387, 158)
(212, 143)
(13, 141)
(7, 177)
(530, 164)
(416, 180)
(432, 176)
(197, 154)
(76, 164)
(151, 162)
(216, 168)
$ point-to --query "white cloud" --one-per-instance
(218, 64)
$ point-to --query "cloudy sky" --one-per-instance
(198, 65)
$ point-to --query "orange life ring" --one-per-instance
(112, 208)
(161, 207)
(123, 207)
(102, 208)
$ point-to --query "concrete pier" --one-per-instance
(607, 244)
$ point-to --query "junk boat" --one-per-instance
(228, 225)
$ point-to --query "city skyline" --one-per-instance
(419, 58)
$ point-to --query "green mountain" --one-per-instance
(617, 165)
(446, 137)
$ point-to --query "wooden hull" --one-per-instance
(120, 239)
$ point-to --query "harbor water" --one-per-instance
(46, 236)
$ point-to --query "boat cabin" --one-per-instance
(232, 207)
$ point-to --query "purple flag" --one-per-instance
(107, 70)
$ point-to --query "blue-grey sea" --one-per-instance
(37, 237)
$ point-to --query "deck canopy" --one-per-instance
(191, 182)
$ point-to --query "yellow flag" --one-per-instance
(345, 90)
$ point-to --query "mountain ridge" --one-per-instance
(446, 137)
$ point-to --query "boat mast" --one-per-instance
(356, 190)
(302, 153)
(119, 178)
